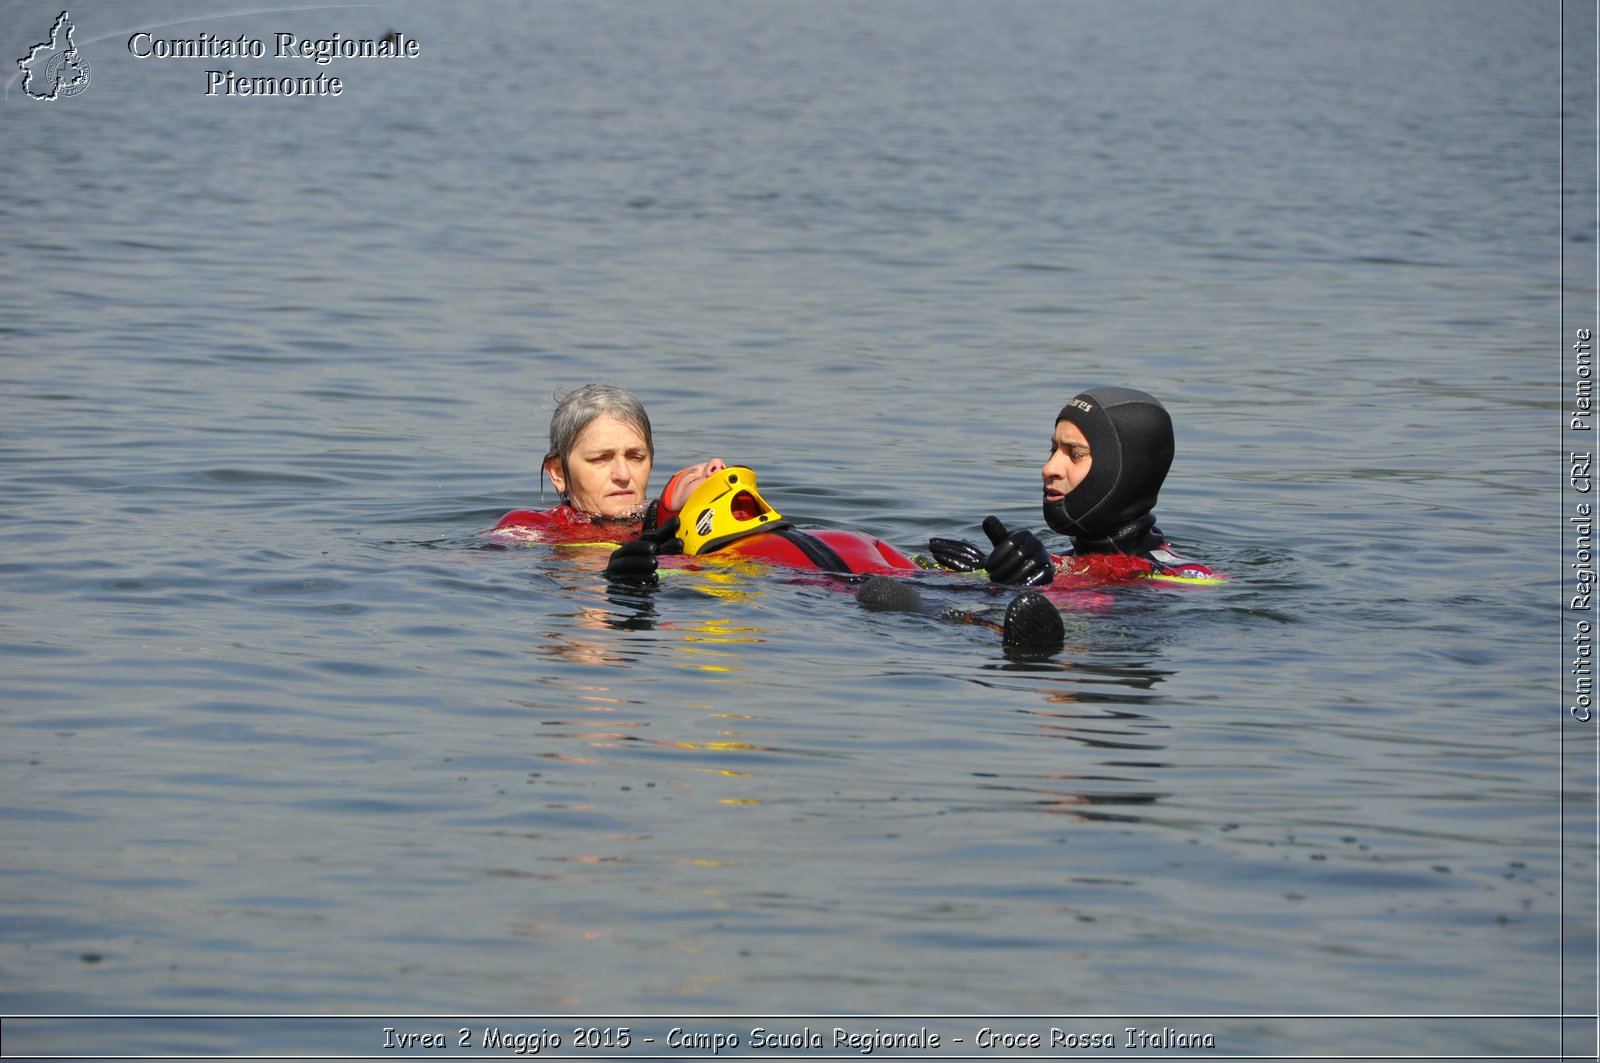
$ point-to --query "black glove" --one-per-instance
(955, 555)
(635, 562)
(1018, 557)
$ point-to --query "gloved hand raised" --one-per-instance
(1018, 557)
(635, 562)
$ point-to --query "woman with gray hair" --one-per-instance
(601, 453)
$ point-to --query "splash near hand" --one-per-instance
(1018, 557)
(635, 562)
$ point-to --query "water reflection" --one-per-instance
(587, 638)
(634, 608)
(1093, 704)
(731, 580)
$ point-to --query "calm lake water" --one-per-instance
(281, 736)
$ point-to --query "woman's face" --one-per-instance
(607, 472)
(1069, 462)
(685, 481)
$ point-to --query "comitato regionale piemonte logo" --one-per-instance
(55, 68)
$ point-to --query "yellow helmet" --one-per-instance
(725, 507)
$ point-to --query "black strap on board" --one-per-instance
(818, 552)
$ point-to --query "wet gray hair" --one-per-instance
(576, 409)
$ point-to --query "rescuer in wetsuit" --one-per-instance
(1109, 456)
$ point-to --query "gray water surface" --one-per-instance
(283, 736)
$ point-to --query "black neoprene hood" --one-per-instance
(1131, 447)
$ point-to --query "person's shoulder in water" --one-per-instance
(563, 525)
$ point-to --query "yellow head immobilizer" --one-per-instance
(725, 507)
